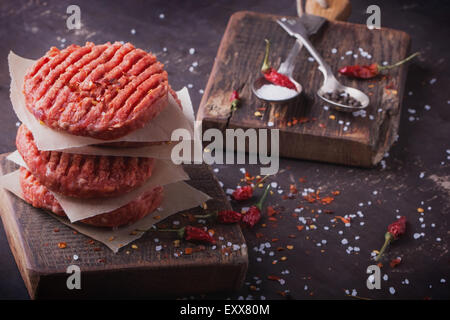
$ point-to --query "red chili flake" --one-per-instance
(259, 235)
(273, 278)
(62, 245)
(395, 262)
(344, 220)
(271, 211)
(293, 189)
(300, 228)
(253, 215)
(273, 219)
(327, 200)
(242, 193)
(336, 193)
(370, 71)
(302, 180)
(394, 231)
(272, 75)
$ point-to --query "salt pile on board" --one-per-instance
(276, 93)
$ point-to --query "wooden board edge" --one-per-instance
(16, 243)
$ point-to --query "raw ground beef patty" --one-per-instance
(102, 91)
(40, 197)
(82, 176)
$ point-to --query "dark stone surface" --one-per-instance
(31, 27)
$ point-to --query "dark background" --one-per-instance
(29, 28)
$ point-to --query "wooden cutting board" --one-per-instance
(307, 130)
(131, 273)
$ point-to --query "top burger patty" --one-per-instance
(102, 91)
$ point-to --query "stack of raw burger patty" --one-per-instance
(101, 91)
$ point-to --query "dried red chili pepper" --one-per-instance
(242, 193)
(253, 215)
(272, 75)
(394, 231)
(235, 100)
(224, 216)
(370, 71)
(229, 216)
(192, 233)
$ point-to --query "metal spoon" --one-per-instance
(297, 30)
(286, 68)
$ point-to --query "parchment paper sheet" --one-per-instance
(158, 129)
(178, 196)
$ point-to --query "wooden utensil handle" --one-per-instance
(330, 9)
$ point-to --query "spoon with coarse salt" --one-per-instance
(272, 93)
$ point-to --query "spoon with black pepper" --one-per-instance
(337, 95)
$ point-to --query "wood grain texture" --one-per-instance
(131, 273)
(238, 62)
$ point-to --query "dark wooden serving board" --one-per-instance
(131, 273)
(238, 62)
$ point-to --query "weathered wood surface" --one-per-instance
(362, 143)
(141, 272)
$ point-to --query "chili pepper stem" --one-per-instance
(263, 198)
(398, 63)
(388, 238)
(180, 231)
(265, 67)
(205, 216)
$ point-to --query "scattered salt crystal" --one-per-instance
(229, 191)
(133, 31)
(191, 51)
(310, 59)
(427, 107)
(385, 277)
(158, 248)
(433, 81)
(164, 49)
(438, 239)
(391, 290)
(344, 241)
(274, 184)
(333, 51)
(416, 236)
(75, 257)
(348, 52)
(270, 124)
(421, 175)
(162, 16)
(191, 69)
(443, 280)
